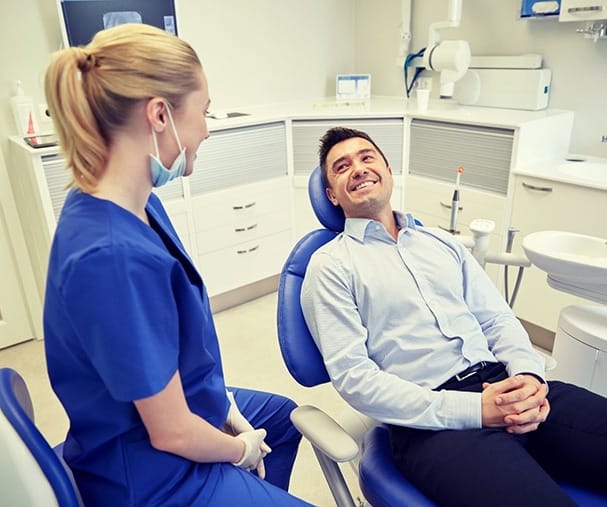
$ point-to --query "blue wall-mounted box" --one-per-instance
(540, 8)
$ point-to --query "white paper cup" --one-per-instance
(422, 97)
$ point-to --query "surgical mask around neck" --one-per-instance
(160, 174)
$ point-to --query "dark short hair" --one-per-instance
(337, 135)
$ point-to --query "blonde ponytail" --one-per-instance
(74, 121)
(91, 91)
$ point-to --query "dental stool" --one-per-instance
(380, 481)
(32, 474)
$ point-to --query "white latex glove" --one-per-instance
(236, 424)
(253, 455)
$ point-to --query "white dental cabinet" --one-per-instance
(246, 203)
(546, 198)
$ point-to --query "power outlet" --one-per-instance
(604, 139)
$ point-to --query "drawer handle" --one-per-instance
(246, 206)
(448, 206)
(535, 187)
(244, 229)
(252, 249)
(590, 8)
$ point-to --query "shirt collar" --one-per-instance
(357, 227)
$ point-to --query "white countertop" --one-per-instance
(381, 107)
(398, 107)
(576, 169)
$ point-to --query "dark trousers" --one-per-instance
(492, 468)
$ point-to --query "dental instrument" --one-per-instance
(455, 202)
(510, 241)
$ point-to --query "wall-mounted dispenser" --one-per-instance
(539, 8)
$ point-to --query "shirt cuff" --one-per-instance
(463, 410)
(533, 375)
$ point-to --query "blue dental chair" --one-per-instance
(380, 481)
(32, 474)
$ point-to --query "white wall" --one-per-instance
(254, 52)
(276, 50)
(259, 52)
(492, 27)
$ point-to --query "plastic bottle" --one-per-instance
(23, 111)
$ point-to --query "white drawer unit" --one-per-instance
(233, 267)
(248, 237)
(240, 195)
(241, 214)
(433, 198)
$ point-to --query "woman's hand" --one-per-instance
(253, 454)
(236, 424)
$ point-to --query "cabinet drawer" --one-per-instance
(434, 198)
(548, 205)
(234, 267)
(241, 206)
(224, 236)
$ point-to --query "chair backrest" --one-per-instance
(330, 216)
(298, 349)
(31, 474)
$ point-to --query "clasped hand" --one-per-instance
(255, 448)
(517, 403)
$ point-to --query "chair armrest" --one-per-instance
(323, 432)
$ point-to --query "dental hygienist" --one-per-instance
(131, 347)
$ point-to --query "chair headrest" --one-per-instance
(330, 216)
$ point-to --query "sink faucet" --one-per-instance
(594, 31)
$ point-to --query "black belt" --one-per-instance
(485, 370)
(468, 372)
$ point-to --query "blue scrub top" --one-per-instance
(124, 310)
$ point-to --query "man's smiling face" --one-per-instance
(360, 181)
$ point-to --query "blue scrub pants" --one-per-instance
(237, 487)
(490, 467)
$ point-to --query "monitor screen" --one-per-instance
(82, 19)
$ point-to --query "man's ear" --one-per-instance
(331, 196)
(155, 113)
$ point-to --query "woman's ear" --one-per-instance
(155, 113)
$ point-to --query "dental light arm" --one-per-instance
(450, 58)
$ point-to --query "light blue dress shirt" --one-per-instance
(396, 319)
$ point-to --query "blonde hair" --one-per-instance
(92, 90)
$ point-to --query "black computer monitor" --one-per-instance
(82, 19)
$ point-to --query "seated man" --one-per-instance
(414, 334)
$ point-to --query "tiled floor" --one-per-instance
(251, 358)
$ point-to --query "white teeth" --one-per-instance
(364, 184)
